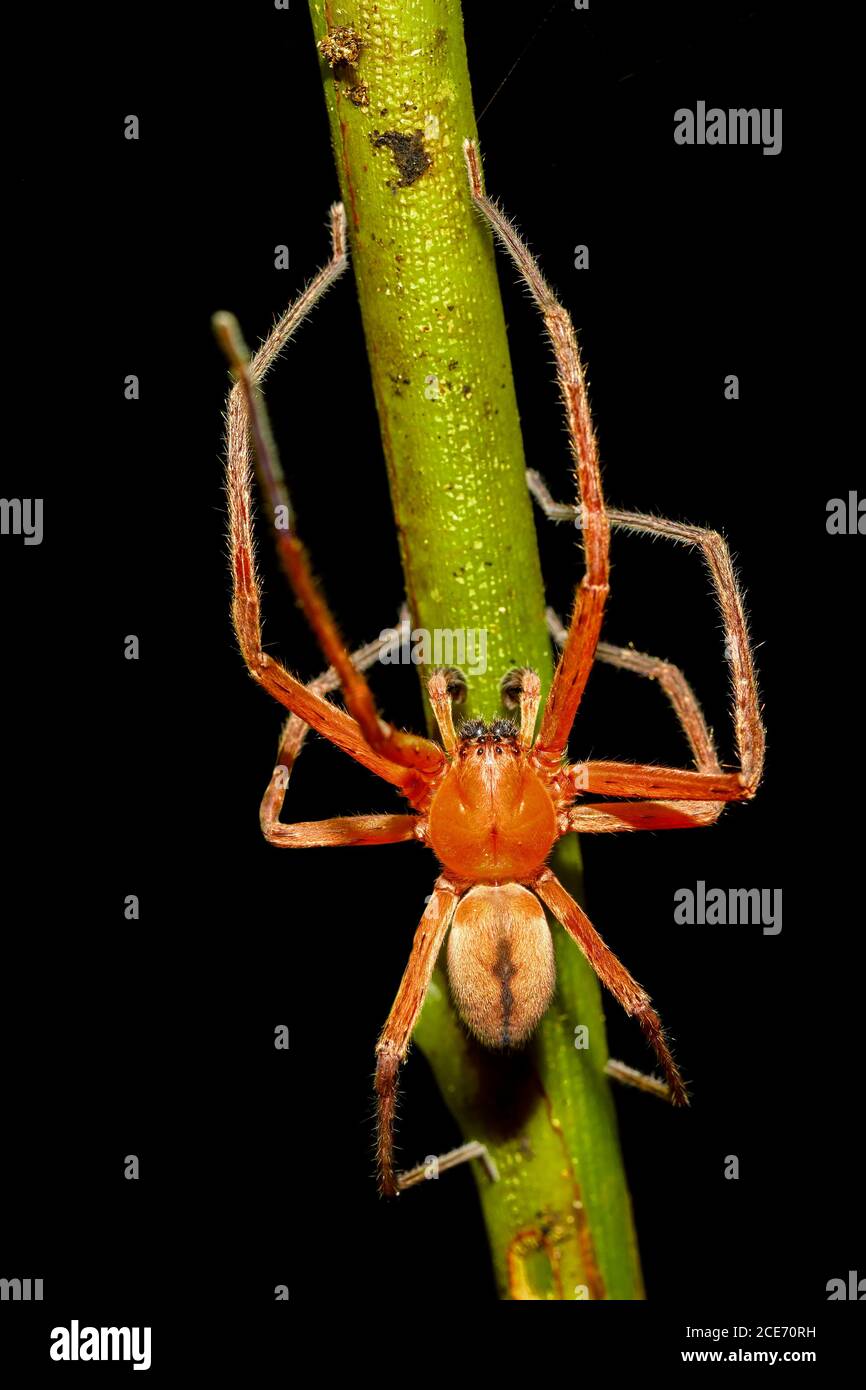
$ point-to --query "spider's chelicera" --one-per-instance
(490, 800)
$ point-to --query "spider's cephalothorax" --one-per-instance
(491, 818)
(490, 800)
(492, 810)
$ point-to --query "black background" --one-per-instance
(155, 1037)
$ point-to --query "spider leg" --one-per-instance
(748, 727)
(672, 682)
(247, 420)
(310, 706)
(575, 663)
(629, 1076)
(646, 780)
(362, 659)
(612, 974)
(607, 816)
(394, 1041)
(339, 830)
(464, 1154)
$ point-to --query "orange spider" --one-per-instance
(492, 800)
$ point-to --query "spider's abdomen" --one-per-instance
(500, 963)
(492, 820)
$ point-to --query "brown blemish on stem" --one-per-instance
(520, 1247)
(341, 49)
(347, 168)
(340, 46)
(594, 1280)
(407, 148)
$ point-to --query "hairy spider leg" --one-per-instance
(650, 815)
(337, 830)
(708, 783)
(394, 1041)
(613, 975)
(577, 656)
(673, 683)
(247, 419)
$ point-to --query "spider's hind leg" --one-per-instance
(613, 975)
(394, 1041)
(432, 1167)
(630, 1076)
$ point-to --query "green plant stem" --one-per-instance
(559, 1218)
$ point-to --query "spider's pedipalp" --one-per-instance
(445, 688)
(456, 684)
(521, 689)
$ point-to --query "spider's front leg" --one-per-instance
(406, 760)
(573, 670)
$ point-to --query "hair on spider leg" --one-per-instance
(492, 813)
(441, 1163)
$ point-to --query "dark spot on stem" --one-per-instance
(410, 156)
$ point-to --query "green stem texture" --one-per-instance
(559, 1218)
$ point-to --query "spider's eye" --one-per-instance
(503, 729)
